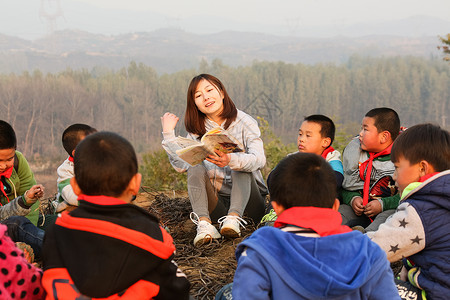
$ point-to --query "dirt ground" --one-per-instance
(209, 267)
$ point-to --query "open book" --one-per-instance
(194, 152)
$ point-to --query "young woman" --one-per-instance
(221, 187)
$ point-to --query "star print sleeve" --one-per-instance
(402, 234)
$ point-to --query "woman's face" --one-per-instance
(209, 100)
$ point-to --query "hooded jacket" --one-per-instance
(419, 230)
(317, 258)
(109, 248)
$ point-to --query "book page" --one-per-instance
(221, 142)
(186, 142)
(193, 155)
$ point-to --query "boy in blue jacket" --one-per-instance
(308, 254)
(419, 231)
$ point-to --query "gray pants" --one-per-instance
(348, 215)
(206, 202)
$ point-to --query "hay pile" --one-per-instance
(209, 267)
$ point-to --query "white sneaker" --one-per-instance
(205, 231)
(229, 226)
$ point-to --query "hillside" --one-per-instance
(172, 50)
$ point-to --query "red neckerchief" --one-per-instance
(326, 151)
(366, 175)
(101, 200)
(323, 221)
(70, 158)
(425, 177)
(7, 173)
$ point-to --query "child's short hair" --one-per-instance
(386, 119)
(424, 142)
(74, 134)
(104, 164)
(303, 179)
(8, 136)
(327, 126)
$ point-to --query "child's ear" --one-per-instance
(278, 208)
(75, 187)
(385, 137)
(326, 142)
(336, 205)
(135, 184)
(425, 168)
(73, 152)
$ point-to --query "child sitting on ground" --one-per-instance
(66, 198)
(308, 254)
(16, 179)
(316, 134)
(419, 231)
(369, 194)
(107, 246)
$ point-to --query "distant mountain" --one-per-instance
(171, 50)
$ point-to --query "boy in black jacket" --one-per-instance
(107, 246)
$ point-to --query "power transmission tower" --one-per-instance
(50, 10)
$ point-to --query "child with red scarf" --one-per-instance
(72, 135)
(369, 194)
(308, 254)
(108, 247)
(316, 134)
(19, 193)
(16, 179)
(419, 231)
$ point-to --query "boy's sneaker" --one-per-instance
(205, 231)
(269, 218)
(229, 226)
(28, 252)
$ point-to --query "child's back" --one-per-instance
(108, 246)
(308, 254)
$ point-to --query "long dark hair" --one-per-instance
(194, 119)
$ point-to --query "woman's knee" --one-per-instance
(196, 173)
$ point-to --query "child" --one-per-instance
(316, 134)
(18, 278)
(66, 198)
(222, 187)
(107, 246)
(368, 191)
(308, 254)
(16, 179)
(419, 230)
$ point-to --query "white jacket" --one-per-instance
(245, 129)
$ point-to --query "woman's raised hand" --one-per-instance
(168, 122)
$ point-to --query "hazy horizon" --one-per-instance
(320, 18)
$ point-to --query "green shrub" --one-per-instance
(158, 174)
(274, 148)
